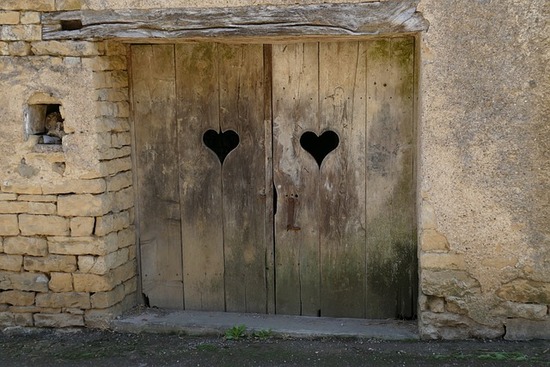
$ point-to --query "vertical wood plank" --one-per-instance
(154, 112)
(295, 110)
(342, 86)
(391, 241)
(200, 178)
(241, 82)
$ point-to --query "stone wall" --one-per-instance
(67, 242)
(67, 249)
(484, 169)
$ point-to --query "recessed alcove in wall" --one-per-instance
(45, 121)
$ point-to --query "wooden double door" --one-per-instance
(277, 178)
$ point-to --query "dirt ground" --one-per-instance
(27, 347)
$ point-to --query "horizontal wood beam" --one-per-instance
(318, 20)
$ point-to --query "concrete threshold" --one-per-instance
(216, 323)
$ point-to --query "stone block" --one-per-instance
(125, 272)
(431, 240)
(442, 261)
(115, 48)
(68, 4)
(28, 32)
(130, 286)
(525, 291)
(121, 139)
(58, 320)
(10, 262)
(63, 300)
(18, 207)
(64, 48)
(38, 5)
(19, 187)
(74, 311)
(38, 198)
(450, 326)
(107, 63)
(4, 48)
(30, 17)
(1, 245)
(26, 246)
(6, 319)
(95, 186)
(17, 298)
(112, 124)
(23, 319)
(32, 225)
(111, 223)
(108, 299)
(521, 310)
(61, 263)
(521, 329)
(19, 48)
(118, 165)
(34, 282)
(83, 205)
(9, 225)
(112, 95)
(126, 237)
(102, 264)
(123, 199)
(114, 153)
(93, 283)
(111, 79)
(33, 309)
(9, 17)
(82, 245)
(61, 282)
(82, 226)
(8, 197)
(443, 283)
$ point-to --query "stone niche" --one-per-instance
(43, 118)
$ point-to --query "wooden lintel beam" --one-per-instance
(318, 20)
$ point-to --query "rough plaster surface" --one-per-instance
(71, 85)
(484, 139)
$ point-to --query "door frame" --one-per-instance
(269, 166)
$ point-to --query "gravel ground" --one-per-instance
(76, 347)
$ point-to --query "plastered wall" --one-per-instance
(483, 172)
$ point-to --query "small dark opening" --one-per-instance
(71, 25)
(221, 143)
(53, 125)
(319, 146)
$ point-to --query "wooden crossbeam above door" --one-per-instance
(253, 23)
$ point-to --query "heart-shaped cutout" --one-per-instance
(221, 143)
(319, 146)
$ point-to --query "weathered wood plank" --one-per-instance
(295, 110)
(200, 183)
(391, 242)
(358, 19)
(269, 192)
(154, 111)
(241, 81)
(342, 89)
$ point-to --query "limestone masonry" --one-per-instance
(67, 235)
